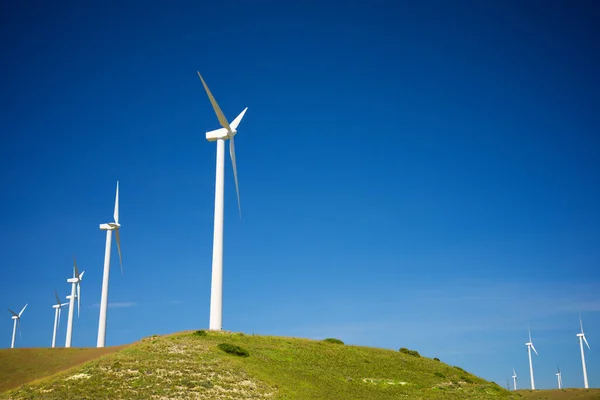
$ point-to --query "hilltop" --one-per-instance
(222, 365)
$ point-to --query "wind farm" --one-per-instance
(420, 191)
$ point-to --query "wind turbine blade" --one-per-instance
(57, 298)
(116, 213)
(238, 119)
(118, 238)
(12, 312)
(514, 373)
(533, 348)
(581, 323)
(78, 298)
(585, 340)
(233, 163)
(23, 309)
(529, 330)
(220, 116)
(81, 275)
(58, 318)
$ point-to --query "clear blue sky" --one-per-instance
(412, 174)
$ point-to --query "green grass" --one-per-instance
(190, 365)
(19, 366)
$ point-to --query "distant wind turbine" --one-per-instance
(75, 282)
(228, 131)
(559, 377)
(57, 307)
(529, 348)
(17, 321)
(582, 339)
(109, 228)
(514, 376)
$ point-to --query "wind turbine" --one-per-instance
(529, 348)
(75, 283)
(17, 321)
(109, 228)
(559, 377)
(228, 131)
(57, 307)
(514, 376)
(582, 339)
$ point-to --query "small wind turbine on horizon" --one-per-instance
(75, 282)
(514, 376)
(529, 348)
(57, 307)
(582, 339)
(17, 321)
(559, 377)
(228, 131)
(109, 228)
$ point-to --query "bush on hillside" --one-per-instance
(439, 374)
(413, 353)
(436, 359)
(233, 349)
(333, 340)
(201, 332)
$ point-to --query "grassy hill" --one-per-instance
(19, 366)
(196, 365)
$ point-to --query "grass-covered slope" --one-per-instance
(19, 366)
(193, 366)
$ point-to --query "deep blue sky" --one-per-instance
(412, 174)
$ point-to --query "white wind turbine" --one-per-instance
(109, 228)
(57, 307)
(559, 377)
(17, 321)
(582, 339)
(529, 348)
(228, 131)
(75, 284)
(514, 376)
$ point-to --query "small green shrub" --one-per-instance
(460, 369)
(333, 340)
(413, 353)
(436, 359)
(201, 332)
(466, 379)
(439, 374)
(233, 349)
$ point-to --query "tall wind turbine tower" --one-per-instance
(582, 339)
(75, 284)
(109, 228)
(559, 377)
(57, 308)
(17, 321)
(228, 131)
(514, 376)
(529, 348)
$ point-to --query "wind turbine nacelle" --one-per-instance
(217, 134)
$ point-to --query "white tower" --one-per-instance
(220, 135)
(582, 339)
(529, 348)
(109, 228)
(75, 286)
